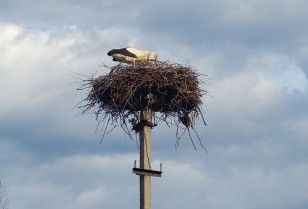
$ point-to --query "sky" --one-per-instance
(254, 55)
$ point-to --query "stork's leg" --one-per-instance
(155, 62)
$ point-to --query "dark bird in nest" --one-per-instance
(132, 55)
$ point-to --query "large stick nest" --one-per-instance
(172, 90)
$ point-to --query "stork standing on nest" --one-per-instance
(132, 55)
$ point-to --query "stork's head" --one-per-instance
(153, 56)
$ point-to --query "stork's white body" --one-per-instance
(132, 55)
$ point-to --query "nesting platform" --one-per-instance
(167, 88)
(171, 90)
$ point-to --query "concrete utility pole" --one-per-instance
(145, 171)
(145, 161)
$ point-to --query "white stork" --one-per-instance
(132, 55)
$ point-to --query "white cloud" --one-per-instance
(73, 182)
(280, 72)
(93, 198)
(93, 180)
(37, 85)
(256, 187)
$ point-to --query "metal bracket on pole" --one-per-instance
(147, 172)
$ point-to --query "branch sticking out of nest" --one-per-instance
(173, 90)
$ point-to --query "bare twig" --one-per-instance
(4, 199)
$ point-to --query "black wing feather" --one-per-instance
(122, 51)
